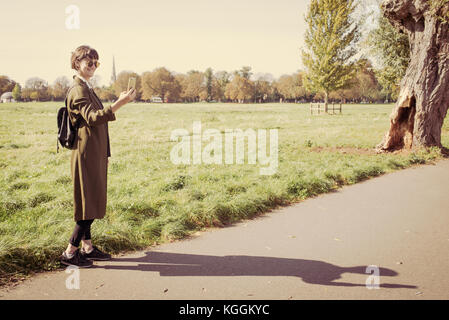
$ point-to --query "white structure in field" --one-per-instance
(7, 97)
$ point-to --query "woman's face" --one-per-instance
(85, 70)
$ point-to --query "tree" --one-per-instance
(17, 92)
(121, 83)
(194, 86)
(440, 8)
(418, 116)
(6, 84)
(181, 79)
(330, 40)
(366, 83)
(26, 94)
(240, 89)
(106, 93)
(245, 72)
(59, 88)
(290, 87)
(262, 89)
(221, 80)
(174, 93)
(34, 95)
(392, 49)
(364, 87)
(162, 83)
(209, 75)
(36, 89)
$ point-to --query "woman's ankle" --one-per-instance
(87, 246)
(71, 249)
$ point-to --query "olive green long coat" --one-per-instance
(89, 162)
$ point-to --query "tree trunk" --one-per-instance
(326, 101)
(418, 116)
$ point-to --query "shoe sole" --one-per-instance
(74, 265)
(97, 259)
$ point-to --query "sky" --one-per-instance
(142, 35)
(146, 34)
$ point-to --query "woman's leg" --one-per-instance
(86, 240)
(89, 251)
(81, 228)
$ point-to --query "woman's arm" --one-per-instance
(79, 104)
(124, 98)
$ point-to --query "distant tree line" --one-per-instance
(196, 86)
(331, 72)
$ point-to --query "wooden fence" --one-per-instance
(320, 108)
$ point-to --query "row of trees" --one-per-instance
(36, 89)
(331, 72)
(239, 86)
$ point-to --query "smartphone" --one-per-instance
(131, 83)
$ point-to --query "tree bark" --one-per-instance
(418, 116)
(326, 101)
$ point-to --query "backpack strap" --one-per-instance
(67, 95)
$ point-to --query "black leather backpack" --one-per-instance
(67, 132)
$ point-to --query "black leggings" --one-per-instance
(81, 232)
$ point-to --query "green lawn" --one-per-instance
(151, 200)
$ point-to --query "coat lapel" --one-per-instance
(93, 97)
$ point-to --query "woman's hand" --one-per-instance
(126, 97)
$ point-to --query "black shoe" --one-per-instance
(96, 254)
(77, 260)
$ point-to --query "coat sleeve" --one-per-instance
(80, 105)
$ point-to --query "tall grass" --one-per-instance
(151, 200)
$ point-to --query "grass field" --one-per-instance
(151, 200)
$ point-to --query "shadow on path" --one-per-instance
(310, 271)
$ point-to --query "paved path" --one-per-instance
(317, 249)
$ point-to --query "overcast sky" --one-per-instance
(180, 35)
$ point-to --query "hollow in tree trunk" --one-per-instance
(418, 116)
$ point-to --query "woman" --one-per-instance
(89, 162)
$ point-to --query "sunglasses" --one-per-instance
(93, 63)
